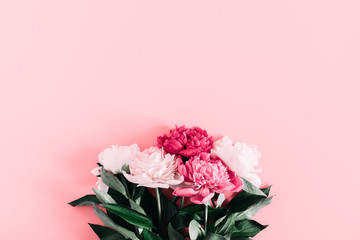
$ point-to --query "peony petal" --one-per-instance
(132, 178)
(199, 199)
(238, 184)
(254, 179)
(115, 157)
(154, 185)
(181, 167)
(183, 184)
(145, 182)
(96, 171)
(225, 186)
(176, 181)
(102, 186)
(172, 146)
(239, 157)
(190, 152)
(185, 192)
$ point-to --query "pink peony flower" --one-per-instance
(203, 176)
(187, 142)
(151, 168)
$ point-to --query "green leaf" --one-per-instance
(110, 223)
(191, 208)
(173, 234)
(199, 210)
(196, 232)
(87, 200)
(148, 203)
(103, 196)
(130, 215)
(113, 236)
(136, 207)
(242, 201)
(266, 190)
(218, 221)
(184, 216)
(180, 221)
(126, 168)
(125, 183)
(211, 226)
(168, 208)
(252, 210)
(213, 236)
(120, 199)
(113, 182)
(247, 228)
(226, 226)
(150, 235)
(251, 188)
(138, 192)
(101, 231)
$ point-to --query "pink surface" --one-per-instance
(78, 76)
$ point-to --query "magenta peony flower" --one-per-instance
(203, 176)
(187, 142)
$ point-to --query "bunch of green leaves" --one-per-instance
(224, 223)
(121, 209)
(129, 211)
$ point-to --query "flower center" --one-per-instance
(209, 173)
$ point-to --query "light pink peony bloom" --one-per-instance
(205, 176)
(112, 159)
(187, 142)
(239, 157)
(151, 168)
(115, 157)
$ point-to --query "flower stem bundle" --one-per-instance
(214, 184)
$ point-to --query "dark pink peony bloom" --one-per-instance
(187, 142)
(204, 176)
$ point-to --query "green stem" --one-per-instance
(206, 217)
(182, 202)
(159, 208)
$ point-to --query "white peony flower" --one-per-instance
(115, 157)
(154, 169)
(239, 157)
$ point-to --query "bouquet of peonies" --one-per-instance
(188, 187)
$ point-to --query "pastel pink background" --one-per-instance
(78, 76)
